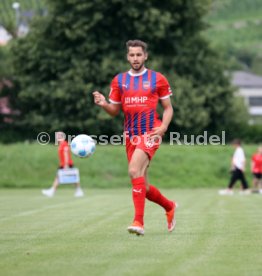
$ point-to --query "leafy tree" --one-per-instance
(80, 46)
(5, 76)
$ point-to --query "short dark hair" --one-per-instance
(236, 142)
(136, 43)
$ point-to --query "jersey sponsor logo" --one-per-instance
(137, 191)
(146, 84)
(135, 100)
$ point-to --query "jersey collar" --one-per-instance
(137, 74)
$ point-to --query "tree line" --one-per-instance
(80, 46)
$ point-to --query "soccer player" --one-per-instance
(65, 161)
(137, 92)
(238, 163)
(256, 168)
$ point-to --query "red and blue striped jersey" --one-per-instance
(139, 94)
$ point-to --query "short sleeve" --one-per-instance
(164, 90)
(115, 93)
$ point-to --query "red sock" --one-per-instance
(153, 194)
(139, 196)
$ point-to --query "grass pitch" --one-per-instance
(173, 166)
(87, 236)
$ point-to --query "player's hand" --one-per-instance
(99, 99)
(157, 133)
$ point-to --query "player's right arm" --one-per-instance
(110, 108)
(115, 104)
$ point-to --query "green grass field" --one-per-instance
(34, 166)
(67, 236)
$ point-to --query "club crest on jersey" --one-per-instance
(149, 144)
(146, 84)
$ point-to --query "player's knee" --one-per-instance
(133, 172)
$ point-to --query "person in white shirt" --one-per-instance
(237, 169)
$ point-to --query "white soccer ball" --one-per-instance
(83, 145)
(16, 5)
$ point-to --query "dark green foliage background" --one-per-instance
(80, 46)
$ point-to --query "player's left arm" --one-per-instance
(164, 92)
(166, 119)
(167, 114)
(66, 157)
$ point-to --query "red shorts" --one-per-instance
(141, 142)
